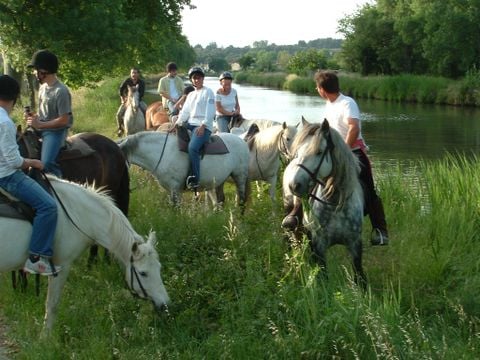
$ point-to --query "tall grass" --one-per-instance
(240, 291)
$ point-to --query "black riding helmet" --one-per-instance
(9, 88)
(226, 75)
(44, 60)
(195, 70)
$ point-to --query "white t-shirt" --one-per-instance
(199, 108)
(228, 102)
(338, 112)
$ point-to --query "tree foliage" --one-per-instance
(95, 38)
(437, 37)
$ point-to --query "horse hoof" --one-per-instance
(290, 222)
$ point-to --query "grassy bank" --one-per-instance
(401, 88)
(240, 292)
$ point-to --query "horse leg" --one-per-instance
(319, 249)
(356, 250)
(219, 197)
(55, 287)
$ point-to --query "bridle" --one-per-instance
(314, 174)
(134, 276)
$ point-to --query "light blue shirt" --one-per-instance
(10, 158)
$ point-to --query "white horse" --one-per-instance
(325, 173)
(87, 216)
(266, 148)
(242, 125)
(158, 152)
(134, 119)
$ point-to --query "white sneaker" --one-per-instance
(42, 266)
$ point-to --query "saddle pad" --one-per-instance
(11, 208)
(214, 146)
(75, 148)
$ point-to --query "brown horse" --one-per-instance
(155, 116)
(103, 164)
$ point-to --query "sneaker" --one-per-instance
(42, 266)
(192, 183)
(379, 237)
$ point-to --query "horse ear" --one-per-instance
(19, 128)
(284, 125)
(325, 125)
(304, 121)
(135, 249)
(152, 239)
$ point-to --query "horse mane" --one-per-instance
(120, 228)
(267, 139)
(344, 177)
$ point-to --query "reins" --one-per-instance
(133, 270)
(161, 154)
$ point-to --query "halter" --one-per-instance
(134, 273)
(313, 174)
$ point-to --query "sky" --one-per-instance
(282, 22)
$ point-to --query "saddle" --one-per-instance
(214, 146)
(13, 208)
(74, 147)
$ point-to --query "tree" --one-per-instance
(304, 62)
(218, 64)
(246, 61)
(94, 38)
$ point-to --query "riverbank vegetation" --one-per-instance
(239, 290)
(397, 88)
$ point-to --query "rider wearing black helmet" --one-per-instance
(197, 115)
(226, 102)
(17, 183)
(54, 116)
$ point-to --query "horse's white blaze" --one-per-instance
(100, 221)
(134, 119)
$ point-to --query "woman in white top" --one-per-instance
(226, 102)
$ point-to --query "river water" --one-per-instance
(395, 133)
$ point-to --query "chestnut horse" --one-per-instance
(156, 116)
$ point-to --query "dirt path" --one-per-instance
(6, 348)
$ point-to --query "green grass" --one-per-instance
(239, 291)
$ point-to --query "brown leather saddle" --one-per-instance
(215, 145)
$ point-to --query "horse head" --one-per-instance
(133, 97)
(312, 149)
(143, 273)
(286, 140)
(28, 142)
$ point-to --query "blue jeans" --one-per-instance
(52, 142)
(45, 221)
(196, 143)
(222, 123)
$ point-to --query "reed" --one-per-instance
(240, 290)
